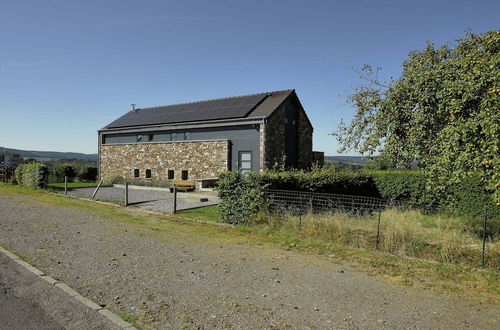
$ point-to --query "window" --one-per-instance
(136, 173)
(148, 173)
(139, 138)
(173, 136)
(187, 135)
(245, 161)
(184, 175)
(150, 137)
(170, 174)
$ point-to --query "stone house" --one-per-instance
(9, 160)
(199, 140)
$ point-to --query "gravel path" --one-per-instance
(180, 276)
(153, 200)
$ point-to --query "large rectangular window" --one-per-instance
(136, 173)
(148, 173)
(184, 174)
(245, 161)
(170, 174)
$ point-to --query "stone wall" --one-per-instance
(203, 159)
(274, 138)
(305, 149)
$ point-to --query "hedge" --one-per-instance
(242, 195)
(32, 175)
(465, 199)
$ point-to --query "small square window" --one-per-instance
(136, 173)
(170, 174)
(187, 135)
(139, 138)
(173, 136)
(184, 174)
(148, 173)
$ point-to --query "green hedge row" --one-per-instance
(32, 175)
(465, 199)
(242, 195)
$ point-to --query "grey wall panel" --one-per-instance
(243, 138)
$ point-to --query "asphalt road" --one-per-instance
(29, 302)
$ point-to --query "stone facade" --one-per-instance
(304, 145)
(274, 138)
(202, 159)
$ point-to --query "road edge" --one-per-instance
(115, 319)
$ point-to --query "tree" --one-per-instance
(64, 169)
(443, 112)
(88, 174)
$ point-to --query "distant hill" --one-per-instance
(347, 159)
(49, 155)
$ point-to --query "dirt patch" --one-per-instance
(173, 275)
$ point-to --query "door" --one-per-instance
(245, 161)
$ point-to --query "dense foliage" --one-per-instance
(87, 174)
(469, 197)
(32, 175)
(443, 113)
(60, 170)
(242, 195)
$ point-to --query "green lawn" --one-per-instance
(206, 213)
(73, 184)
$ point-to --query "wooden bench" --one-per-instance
(182, 185)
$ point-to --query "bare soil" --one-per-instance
(174, 275)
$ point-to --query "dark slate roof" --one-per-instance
(246, 106)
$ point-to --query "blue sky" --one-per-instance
(67, 68)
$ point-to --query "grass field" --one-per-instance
(206, 213)
(481, 284)
(72, 185)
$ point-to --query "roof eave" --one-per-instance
(235, 121)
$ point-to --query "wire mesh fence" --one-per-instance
(302, 202)
(295, 204)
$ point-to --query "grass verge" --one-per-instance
(480, 284)
(60, 185)
(205, 213)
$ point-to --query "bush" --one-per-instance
(242, 196)
(88, 174)
(399, 185)
(32, 175)
(330, 181)
(469, 197)
(64, 169)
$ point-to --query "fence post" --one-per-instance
(378, 228)
(65, 185)
(484, 239)
(126, 194)
(174, 206)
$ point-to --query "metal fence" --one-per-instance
(298, 203)
(302, 202)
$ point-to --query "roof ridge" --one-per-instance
(216, 99)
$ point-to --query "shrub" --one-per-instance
(399, 185)
(468, 197)
(328, 180)
(32, 175)
(242, 196)
(88, 174)
(64, 169)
